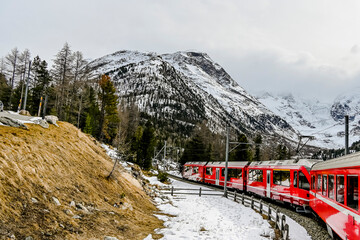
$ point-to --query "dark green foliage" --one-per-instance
(258, 141)
(109, 119)
(145, 147)
(162, 177)
(4, 91)
(282, 152)
(243, 151)
(195, 151)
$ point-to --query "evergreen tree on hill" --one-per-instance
(109, 118)
(242, 152)
(195, 151)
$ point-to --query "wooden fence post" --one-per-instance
(269, 212)
(286, 235)
(200, 192)
(172, 190)
(252, 202)
(261, 206)
(283, 221)
(277, 222)
(242, 199)
(235, 196)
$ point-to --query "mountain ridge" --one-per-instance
(188, 87)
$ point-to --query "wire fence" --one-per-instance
(273, 214)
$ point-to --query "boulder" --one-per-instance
(12, 122)
(42, 123)
(52, 119)
(24, 113)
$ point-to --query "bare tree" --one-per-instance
(61, 72)
(11, 61)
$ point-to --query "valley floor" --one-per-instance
(213, 217)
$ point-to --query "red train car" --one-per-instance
(282, 180)
(215, 174)
(194, 171)
(335, 195)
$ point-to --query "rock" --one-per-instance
(43, 123)
(79, 206)
(24, 113)
(56, 201)
(52, 119)
(68, 212)
(29, 238)
(110, 238)
(72, 204)
(12, 122)
(34, 200)
(76, 217)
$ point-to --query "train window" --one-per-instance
(295, 179)
(331, 187)
(318, 184)
(340, 189)
(324, 185)
(195, 169)
(303, 181)
(352, 192)
(209, 171)
(313, 182)
(234, 173)
(281, 177)
(255, 175)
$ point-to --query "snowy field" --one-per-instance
(213, 217)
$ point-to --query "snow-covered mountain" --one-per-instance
(325, 121)
(185, 88)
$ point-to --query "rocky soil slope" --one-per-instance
(53, 185)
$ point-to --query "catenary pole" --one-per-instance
(226, 160)
(27, 86)
(346, 134)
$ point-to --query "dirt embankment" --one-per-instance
(40, 166)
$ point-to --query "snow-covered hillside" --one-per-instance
(325, 121)
(186, 88)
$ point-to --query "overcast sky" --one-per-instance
(309, 47)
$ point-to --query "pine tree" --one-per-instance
(4, 91)
(242, 152)
(109, 118)
(146, 147)
(258, 141)
(195, 151)
(42, 81)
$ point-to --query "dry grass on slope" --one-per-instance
(39, 165)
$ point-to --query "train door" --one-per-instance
(217, 177)
(268, 190)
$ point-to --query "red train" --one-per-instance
(332, 194)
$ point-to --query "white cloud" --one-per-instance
(296, 45)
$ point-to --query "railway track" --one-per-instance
(315, 227)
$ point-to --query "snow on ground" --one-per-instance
(208, 217)
(213, 217)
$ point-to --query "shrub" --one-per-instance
(162, 177)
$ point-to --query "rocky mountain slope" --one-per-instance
(185, 88)
(325, 121)
(54, 186)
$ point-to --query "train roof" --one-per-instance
(230, 164)
(307, 163)
(350, 160)
(195, 163)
